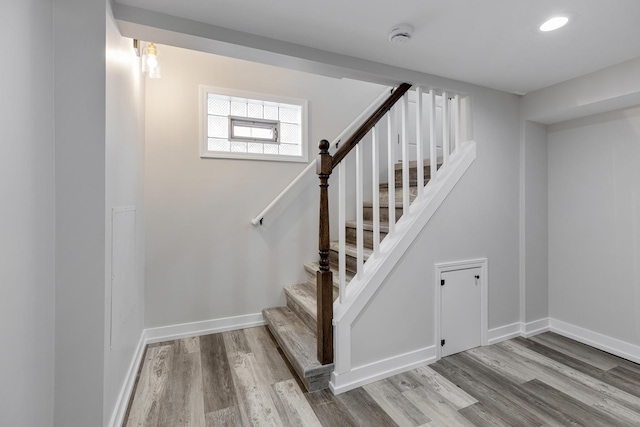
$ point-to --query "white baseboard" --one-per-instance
(122, 402)
(536, 327)
(184, 330)
(366, 374)
(174, 332)
(594, 339)
(504, 333)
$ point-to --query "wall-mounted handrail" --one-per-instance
(304, 176)
(309, 172)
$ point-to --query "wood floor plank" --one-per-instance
(182, 398)
(628, 375)
(236, 343)
(629, 365)
(445, 388)
(188, 345)
(254, 400)
(265, 349)
(458, 370)
(330, 411)
(227, 417)
(292, 407)
(480, 415)
(218, 388)
(240, 378)
(394, 403)
(623, 382)
(153, 380)
(577, 411)
(438, 409)
(513, 392)
(404, 382)
(590, 382)
(495, 360)
(577, 350)
(365, 409)
(589, 390)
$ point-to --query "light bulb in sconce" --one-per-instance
(150, 64)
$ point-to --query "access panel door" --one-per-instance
(460, 311)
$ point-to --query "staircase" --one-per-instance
(294, 326)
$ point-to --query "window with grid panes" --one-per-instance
(244, 125)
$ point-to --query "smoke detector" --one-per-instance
(401, 33)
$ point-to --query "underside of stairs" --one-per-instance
(294, 326)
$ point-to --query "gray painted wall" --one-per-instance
(478, 219)
(79, 102)
(594, 228)
(26, 215)
(204, 258)
(124, 188)
(535, 223)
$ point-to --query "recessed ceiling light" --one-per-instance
(554, 23)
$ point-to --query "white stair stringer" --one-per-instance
(377, 268)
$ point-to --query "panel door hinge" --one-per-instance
(441, 343)
(442, 282)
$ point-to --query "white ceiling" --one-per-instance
(492, 43)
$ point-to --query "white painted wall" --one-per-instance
(594, 228)
(26, 215)
(479, 219)
(124, 188)
(79, 102)
(204, 259)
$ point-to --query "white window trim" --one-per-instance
(203, 112)
(262, 123)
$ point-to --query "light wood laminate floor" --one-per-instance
(240, 378)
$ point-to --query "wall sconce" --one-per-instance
(150, 64)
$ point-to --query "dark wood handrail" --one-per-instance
(362, 131)
(324, 277)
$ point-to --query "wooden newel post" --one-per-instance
(324, 278)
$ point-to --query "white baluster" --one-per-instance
(405, 155)
(342, 234)
(419, 155)
(359, 210)
(375, 182)
(391, 174)
(445, 129)
(432, 134)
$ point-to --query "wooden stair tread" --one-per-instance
(367, 225)
(313, 267)
(412, 183)
(298, 343)
(352, 250)
(382, 205)
(305, 296)
(413, 164)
